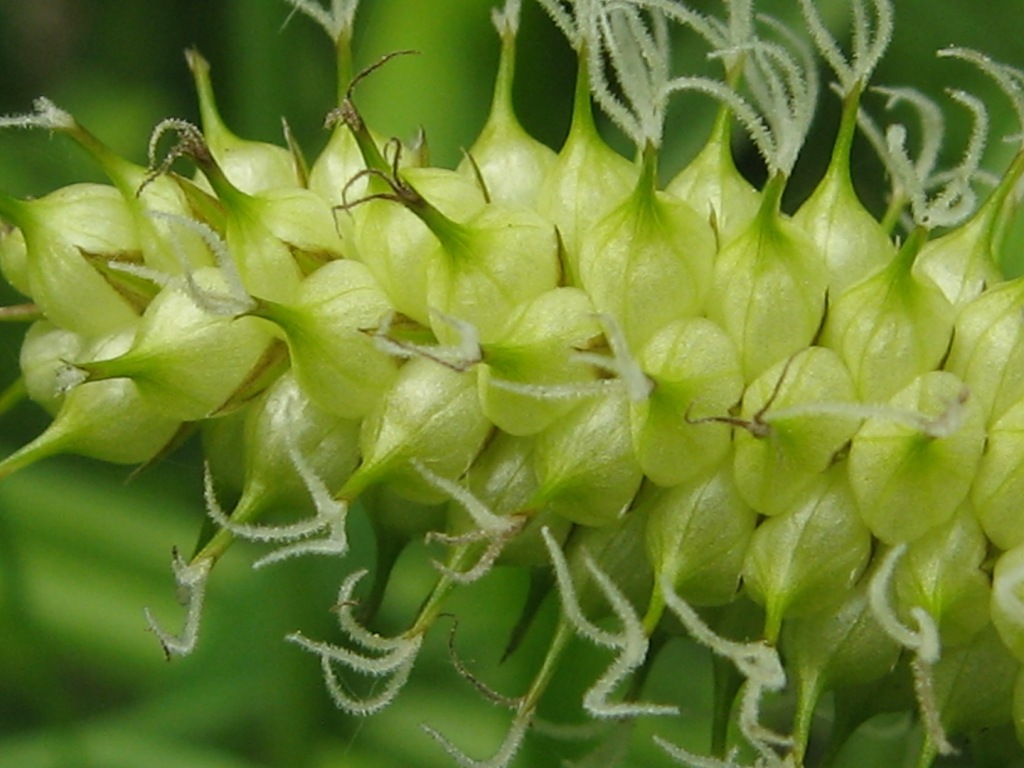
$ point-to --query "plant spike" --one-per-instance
(697, 426)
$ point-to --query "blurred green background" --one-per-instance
(83, 549)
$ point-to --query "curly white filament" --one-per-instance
(631, 642)
(390, 657)
(191, 580)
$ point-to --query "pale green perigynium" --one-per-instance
(684, 412)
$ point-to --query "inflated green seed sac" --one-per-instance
(502, 478)
(998, 487)
(393, 242)
(327, 329)
(854, 243)
(168, 249)
(942, 572)
(60, 230)
(586, 181)
(910, 477)
(695, 370)
(511, 163)
(485, 268)
(788, 444)
(186, 362)
(302, 220)
(715, 188)
(964, 261)
(648, 261)
(697, 533)
(890, 327)
(808, 560)
(338, 163)
(1007, 604)
(252, 166)
(538, 348)
(223, 441)
(973, 685)
(45, 352)
(988, 348)
(586, 468)
(286, 421)
(840, 648)
(768, 289)
(429, 415)
(105, 420)
(618, 551)
(265, 263)
(14, 258)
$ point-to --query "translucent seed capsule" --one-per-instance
(334, 358)
(942, 573)
(999, 484)
(535, 354)
(43, 359)
(715, 188)
(973, 685)
(585, 464)
(393, 242)
(768, 290)
(788, 443)
(265, 263)
(988, 348)
(503, 479)
(910, 475)
(511, 163)
(618, 552)
(697, 534)
(484, 269)
(105, 420)
(301, 220)
(186, 362)
(696, 374)
(429, 416)
(854, 243)
(1007, 603)
(808, 560)
(336, 166)
(586, 180)
(890, 327)
(60, 230)
(964, 261)
(14, 258)
(284, 427)
(252, 166)
(648, 261)
(836, 649)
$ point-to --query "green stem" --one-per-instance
(807, 699)
(892, 214)
(431, 607)
(771, 201)
(563, 634)
(13, 395)
(17, 212)
(843, 147)
(344, 67)
(42, 447)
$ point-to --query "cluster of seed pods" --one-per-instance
(680, 408)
